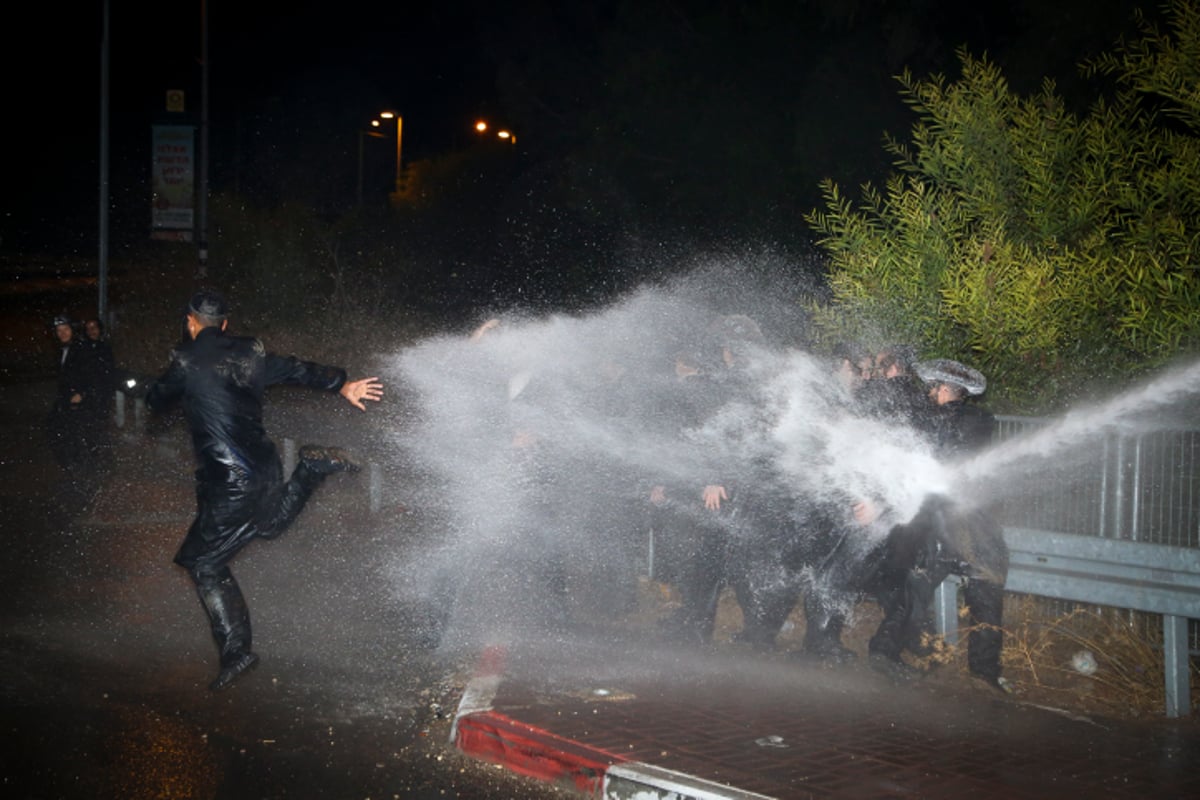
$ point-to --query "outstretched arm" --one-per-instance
(364, 389)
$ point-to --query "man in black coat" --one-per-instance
(240, 491)
(945, 538)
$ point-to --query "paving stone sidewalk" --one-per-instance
(742, 727)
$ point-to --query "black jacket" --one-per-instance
(77, 373)
(221, 380)
(960, 429)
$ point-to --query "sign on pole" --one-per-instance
(173, 183)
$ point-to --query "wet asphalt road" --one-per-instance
(105, 654)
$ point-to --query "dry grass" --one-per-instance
(1126, 646)
(1040, 642)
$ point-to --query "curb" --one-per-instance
(480, 732)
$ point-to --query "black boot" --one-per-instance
(887, 643)
(764, 610)
(823, 633)
(230, 619)
(693, 622)
(327, 460)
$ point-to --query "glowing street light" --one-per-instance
(399, 132)
(482, 127)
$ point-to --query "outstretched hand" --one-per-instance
(713, 495)
(364, 389)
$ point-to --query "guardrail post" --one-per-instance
(1175, 663)
(1135, 492)
(945, 609)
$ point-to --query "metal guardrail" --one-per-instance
(1136, 486)
(1156, 578)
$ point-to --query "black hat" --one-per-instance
(944, 370)
(208, 303)
(61, 319)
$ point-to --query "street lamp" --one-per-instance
(399, 132)
(482, 126)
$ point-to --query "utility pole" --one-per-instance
(102, 278)
(202, 200)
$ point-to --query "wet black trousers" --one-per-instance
(692, 557)
(905, 597)
(766, 589)
(779, 557)
(230, 515)
(226, 521)
(906, 601)
(985, 642)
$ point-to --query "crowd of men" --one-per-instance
(727, 514)
(786, 548)
(722, 517)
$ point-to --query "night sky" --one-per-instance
(293, 83)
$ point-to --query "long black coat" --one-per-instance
(81, 373)
(221, 380)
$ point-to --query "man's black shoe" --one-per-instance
(327, 460)
(999, 683)
(897, 670)
(244, 663)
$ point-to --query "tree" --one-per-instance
(1049, 249)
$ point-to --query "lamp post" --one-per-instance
(373, 133)
(362, 135)
(399, 139)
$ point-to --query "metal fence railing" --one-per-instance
(1138, 486)
(1144, 487)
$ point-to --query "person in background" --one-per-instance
(80, 416)
(106, 373)
(697, 514)
(241, 495)
(894, 394)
